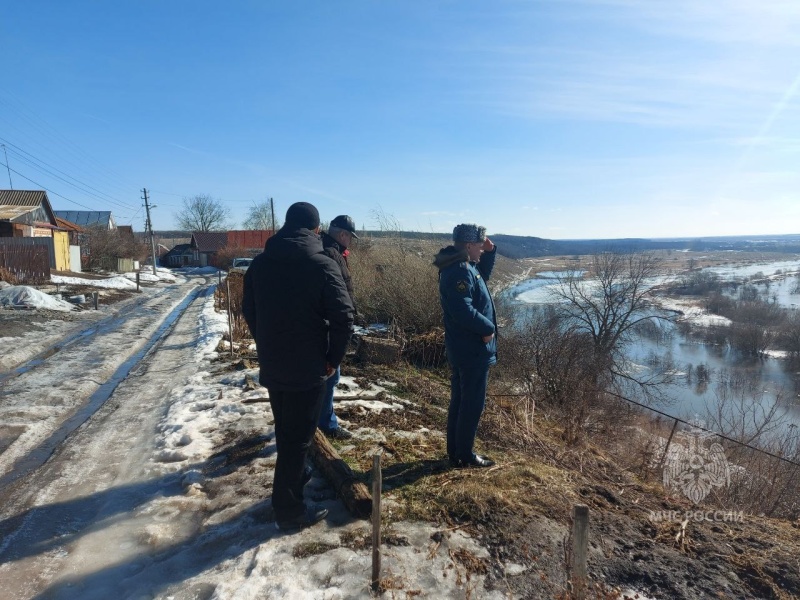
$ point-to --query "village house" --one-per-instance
(206, 246)
(88, 218)
(32, 241)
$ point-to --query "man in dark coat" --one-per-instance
(299, 312)
(470, 341)
(336, 242)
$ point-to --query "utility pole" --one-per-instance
(149, 227)
(271, 212)
(11, 185)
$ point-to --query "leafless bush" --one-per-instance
(105, 246)
(7, 276)
(750, 338)
(697, 283)
(763, 478)
(235, 283)
(225, 255)
(554, 366)
(789, 336)
(394, 280)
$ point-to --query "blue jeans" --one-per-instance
(327, 419)
(467, 399)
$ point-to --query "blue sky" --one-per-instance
(559, 119)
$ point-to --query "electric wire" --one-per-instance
(80, 186)
(49, 190)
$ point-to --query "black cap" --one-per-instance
(302, 215)
(346, 223)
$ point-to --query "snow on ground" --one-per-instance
(23, 296)
(198, 270)
(209, 331)
(116, 282)
(212, 409)
(691, 312)
(146, 275)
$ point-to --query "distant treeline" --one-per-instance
(519, 246)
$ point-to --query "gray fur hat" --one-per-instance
(469, 232)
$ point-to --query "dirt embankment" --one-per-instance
(520, 509)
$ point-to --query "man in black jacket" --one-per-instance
(336, 242)
(300, 315)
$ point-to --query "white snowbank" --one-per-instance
(146, 274)
(23, 296)
(117, 282)
(692, 313)
(210, 329)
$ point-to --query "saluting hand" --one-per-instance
(488, 245)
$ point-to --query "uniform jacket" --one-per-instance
(467, 305)
(338, 253)
(298, 310)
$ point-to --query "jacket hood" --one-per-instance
(449, 256)
(292, 245)
(328, 241)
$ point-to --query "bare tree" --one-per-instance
(261, 217)
(203, 213)
(104, 246)
(606, 304)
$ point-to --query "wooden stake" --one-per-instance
(666, 448)
(377, 482)
(230, 317)
(579, 551)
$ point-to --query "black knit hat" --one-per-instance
(302, 215)
(346, 223)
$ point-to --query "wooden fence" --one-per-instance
(28, 263)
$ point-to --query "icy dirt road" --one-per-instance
(89, 410)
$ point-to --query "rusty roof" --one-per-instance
(209, 241)
(68, 225)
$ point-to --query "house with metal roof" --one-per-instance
(88, 218)
(31, 240)
(26, 213)
(205, 245)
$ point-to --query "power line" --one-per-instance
(49, 190)
(48, 131)
(82, 187)
(10, 185)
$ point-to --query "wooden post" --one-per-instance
(666, 448)
(137, 281)
(579, 550)
(96, 299)
(377, 482)
(230, 316)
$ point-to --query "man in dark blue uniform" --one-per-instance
(470, 336)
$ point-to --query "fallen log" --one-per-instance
(354, 494)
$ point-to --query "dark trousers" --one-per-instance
(467, 399)
(296, 415)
